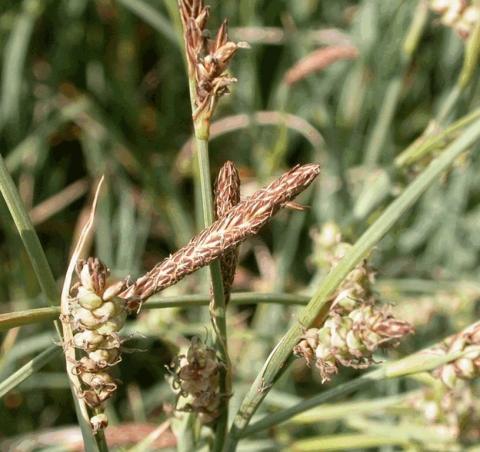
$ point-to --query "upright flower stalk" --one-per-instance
(207, 62)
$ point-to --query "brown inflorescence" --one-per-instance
(207, 59)
(240, 222)
(196, 379)
(96, 316)
(227, 196)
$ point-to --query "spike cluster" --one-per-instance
(227, 196)
(196, 379)
(207, 59)
(349, 340)
(240, 222)
(457, 411)
(356, 328)
(460, 15)
(97, 315)
(466, 367)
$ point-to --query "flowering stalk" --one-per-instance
(207, 63)
(355, 328)
(357, 288)
(454, 411)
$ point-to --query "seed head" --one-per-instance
(96, 316)
(208, 60)
(240, 222)
(468, 366)
(196, 380)
(350, 340)
(227, 195)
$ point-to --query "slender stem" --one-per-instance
(29, 316)
(217, 305)
(318, 307)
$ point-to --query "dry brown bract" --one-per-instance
(241, 221)
(207, 59)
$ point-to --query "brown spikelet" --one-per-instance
(207, 60)
(227, 195)
(319, 60)
(243, 220)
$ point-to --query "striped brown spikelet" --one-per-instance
(240, 222)
(208, 60)
(227, 196)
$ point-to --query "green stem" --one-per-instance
(318, 306)
(338, 411)
(394, 88)
(217, 305)
(30, 316)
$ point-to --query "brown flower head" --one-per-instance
(208, 60)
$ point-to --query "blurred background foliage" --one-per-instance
(99, 87)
